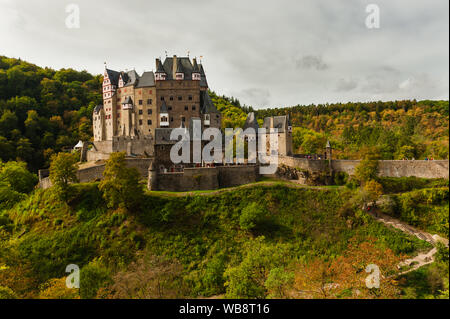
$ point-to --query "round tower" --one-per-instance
(152, 177)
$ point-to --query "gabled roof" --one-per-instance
(251, 122)
(113, 76)
(147, 79)
(206, 104)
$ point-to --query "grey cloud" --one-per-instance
(346, 85)
(312, 62)
(261, 97)
(311, 51)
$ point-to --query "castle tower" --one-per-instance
(152, 183)
(128, 117)
(328, 151)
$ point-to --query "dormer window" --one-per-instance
(196, 76)
(179, 76)
(160, 76)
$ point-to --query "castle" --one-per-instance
(139, 112)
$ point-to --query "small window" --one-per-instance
(171, 119)
(169, 108)
(186, 108)
(149, 101)
(140, 102)
(193, 107)
(149, 111)
(180, 98)
(140, 112)
(149, 122)
(171, 98)
(190, 97)
(140, 122)
(162, 98)
(183, 119)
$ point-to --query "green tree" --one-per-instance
(17, 176)
(120, 185)
(63, 171)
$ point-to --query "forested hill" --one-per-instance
(396, 130)
(43, 111)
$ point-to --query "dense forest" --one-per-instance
(43, 111)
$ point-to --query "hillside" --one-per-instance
(198, 245)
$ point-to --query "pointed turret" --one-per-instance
(179, 73)
(196, 74)
(160, 74)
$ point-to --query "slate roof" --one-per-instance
(147, 79)
(128, 100)
(203, 82)
(159, 67)
(251, 122)
(113, 76)
(206, 104)
(132, 78)
(98, 108)
(279, 122)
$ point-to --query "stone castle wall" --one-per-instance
(94, 173)
(205, 178)
(387, 168)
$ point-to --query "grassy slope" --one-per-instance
(49, 235)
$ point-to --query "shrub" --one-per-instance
(251, 216)
(6, 293)
(93, 276)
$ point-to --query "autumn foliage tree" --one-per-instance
(345, 276)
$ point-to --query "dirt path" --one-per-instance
(421, 259)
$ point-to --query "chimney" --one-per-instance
(271, 122)
(174, 66)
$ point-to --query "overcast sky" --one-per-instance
(266, 53)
